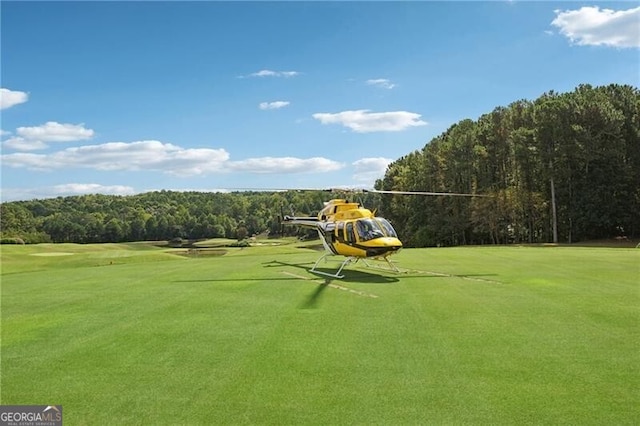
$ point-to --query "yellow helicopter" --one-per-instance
(348, 229)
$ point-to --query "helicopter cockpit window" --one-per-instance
(368, 229)
(388, 229)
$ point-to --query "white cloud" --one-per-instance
(9, 98)
(162, 157)
(591, 25)
(52, 131)
(35, 138)
(141, 155)
(273, 105)
(270, 73)
(370, 169)
(91, 188)
(285, 165)
(381, 82)
(15, 194)
(363, 121)
(21, 144)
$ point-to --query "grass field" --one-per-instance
(131, 333)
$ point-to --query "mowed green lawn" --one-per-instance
(122, 334)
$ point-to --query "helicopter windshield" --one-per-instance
(369, 229)
(388, 229)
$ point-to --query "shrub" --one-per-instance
(176, 242)
(15, 240)
(241, 244)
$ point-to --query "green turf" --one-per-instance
(122, 334)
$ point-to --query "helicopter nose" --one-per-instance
(384, 246)
(391, 242)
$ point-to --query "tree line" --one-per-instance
(561, 168)
(157, 216)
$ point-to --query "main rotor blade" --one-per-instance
(358, 191)
(452, 194)
(294, 189)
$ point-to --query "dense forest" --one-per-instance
(561, 168)
(159, 215)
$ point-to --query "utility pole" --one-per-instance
(554, 214)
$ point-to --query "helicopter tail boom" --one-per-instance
(306, 221)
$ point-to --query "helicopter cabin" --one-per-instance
(350, 222)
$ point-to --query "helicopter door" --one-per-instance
(351, 235)
(328, 233)
(339, 234)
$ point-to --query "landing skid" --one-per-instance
(391, 267)
(352, 259)
(347, 261)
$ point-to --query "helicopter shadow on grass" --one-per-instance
(311, 302)
(231, 280)
(350, 276)
(360, 276)
(236, 280)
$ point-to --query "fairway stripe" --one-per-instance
(441, 274)
(336, 286)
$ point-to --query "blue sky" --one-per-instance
(128, 97)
